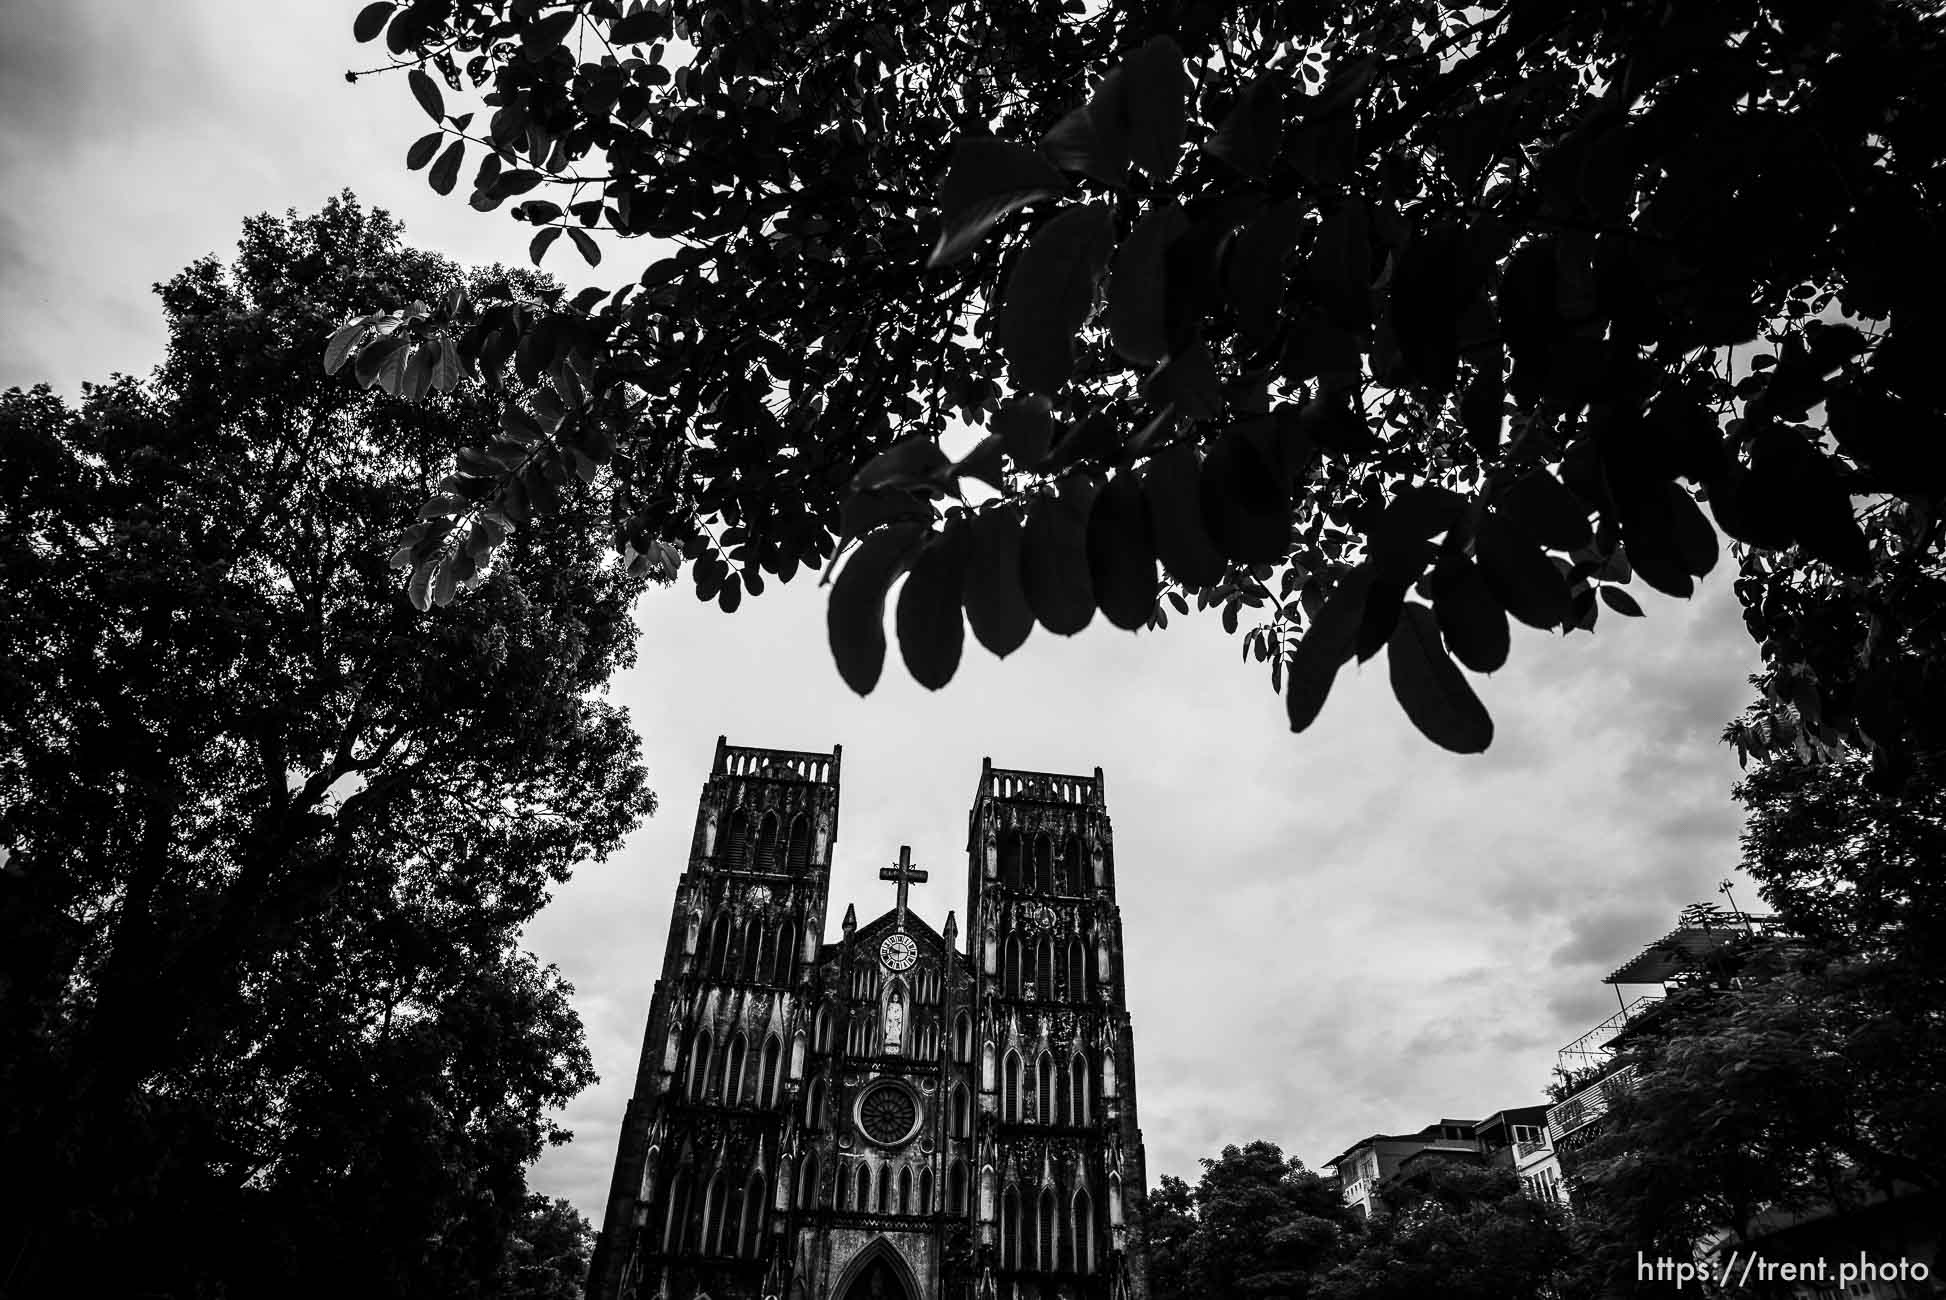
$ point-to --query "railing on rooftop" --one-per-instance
(1593, 1045)
(1574, 1115)
(777, 764)
(1042, 787)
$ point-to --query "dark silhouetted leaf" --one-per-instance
(341, 344)
(1250, 134)
(1255, 272)
(1431, 688)
(1397, 544)
(423, 149)
(585, 244)
(1172, 481)
(1093, 139)
(1470, 618)
(1245, 507)
(996, 604)
(540, 243)
(988, 179)
(426, 91)
(855, 614)
(1121, 554)
(1054, 558)
(1026, 426)
(371, 20)
(1136, 310)
(1157, 88)
(1522, 577)
(930, 632)
(1050, 293)
(1481, 408)
(1324, 648)
(984, 463)
(915, 462)
(1620, 601)
(445, 173)
(1547, 511)
(1384, 598)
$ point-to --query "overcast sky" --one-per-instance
(1327, 934)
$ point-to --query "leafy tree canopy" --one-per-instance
(270, 835)
(1390, 324)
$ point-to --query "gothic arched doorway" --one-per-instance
(878, 1274)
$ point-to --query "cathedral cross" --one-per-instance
(906, 875)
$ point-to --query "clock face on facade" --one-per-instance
(898, 952)
(887, 1114)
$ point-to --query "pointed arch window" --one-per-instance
(824, 1029)
(807, 1182)
(712, 1228)
(842, 1199)
(956, 1188)
(1043, 864)
(1044, 1237)
(1010, 986)
(925, 1191)
(1012, 1098)
(962, 1112)
(753, 947)
(769, 835)
(814, 1105)
(963, 1038)
(733, 1071)
(773, 1059)
(697, 1082)
(1078, 1099)
(1072, 878)
(751, 1225)
(718, 958)
(1084, 1232)
(886, 1205)
(736, 844)
(1077, 971)
(1044, 1088)
(1010, 1230)
(677, 1213)
(864, 1188)
(1044, 966)
(1013, 860)
(798, 855)
(783, 955)
(905, 1191)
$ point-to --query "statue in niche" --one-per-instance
(691, 933)
(822, 843)
(895, 1023)
(709, 831)
(1099, 860)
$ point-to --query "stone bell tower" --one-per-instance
(885, 1117)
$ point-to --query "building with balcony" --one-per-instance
(1513, 1139)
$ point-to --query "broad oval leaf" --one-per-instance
(1155, 99)
(996, 604)
(1324, 648)
(539, 244)
(855, 614)
(423, 149)
(1121, 554)
(1247, 510)
(1548, 511)
(445, 173)
(1620, 601)
(1137, 287)
(1172, 481)
(1049, 294)
(930, 632)
(341, 344)
(1469, 616)
(585, 244)
(1430, 686)
(1054, 558)
(1521, 575)
(988, 179)
(426, 91)
(419, 589)
(371, 20)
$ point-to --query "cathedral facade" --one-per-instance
(894, 1116)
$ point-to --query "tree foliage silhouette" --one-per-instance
(270, 835)
(1375, 322)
